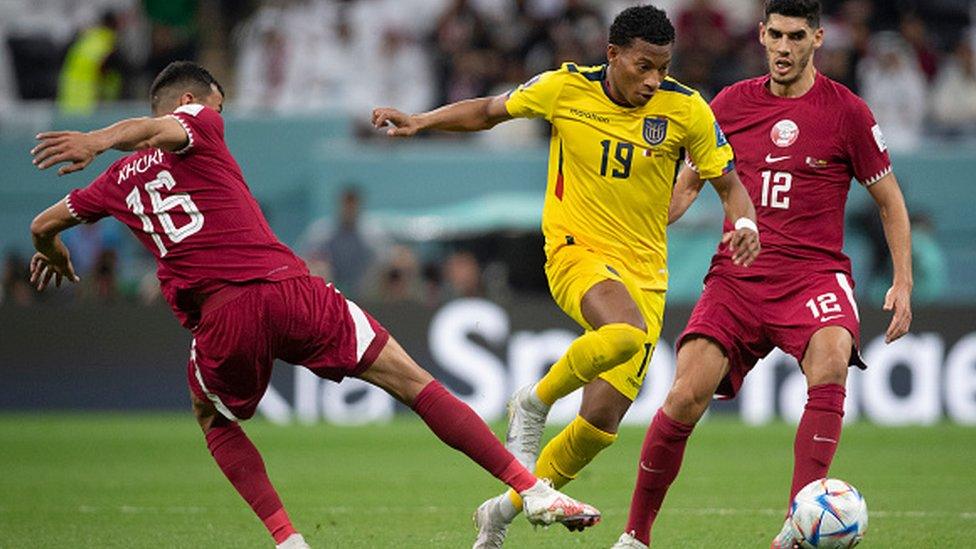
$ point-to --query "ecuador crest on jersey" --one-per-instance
(655, 130)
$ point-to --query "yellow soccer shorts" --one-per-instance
(572, 270)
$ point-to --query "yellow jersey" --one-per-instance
(612, 167)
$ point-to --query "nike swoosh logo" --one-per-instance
(770, 159)
(818, 438)
(829, 318)
(649, 470)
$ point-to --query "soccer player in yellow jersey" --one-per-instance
(617, 134)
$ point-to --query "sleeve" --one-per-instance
(537, 97)
(88, 205)
(709, 152)
(866, 145)
(204, 127)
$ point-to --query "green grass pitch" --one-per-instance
(133, 481)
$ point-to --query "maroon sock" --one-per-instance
(660, 459)
(460, 428)
(817, 435)
(244, 468)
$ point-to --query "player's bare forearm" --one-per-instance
(470, 115)
(897, 229)
(52, 259)
(135, 134)
(735, 198)
(686, 189)
(743, 240)
(77, 149)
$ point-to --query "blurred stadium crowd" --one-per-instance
(911, 60)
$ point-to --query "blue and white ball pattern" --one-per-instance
(828, 514)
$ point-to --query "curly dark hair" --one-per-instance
(185, 75)
(807, 9)
(645, 22)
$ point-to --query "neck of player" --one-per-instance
(797, 87)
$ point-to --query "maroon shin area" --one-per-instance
(242, 464)
(460, 428)
(817, 435)
(660, 460)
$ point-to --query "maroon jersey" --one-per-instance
(797, 157)
(193, 211)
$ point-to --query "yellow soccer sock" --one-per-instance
(588, 356)
(567, 453)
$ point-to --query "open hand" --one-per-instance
(398, 124)
(744, 245)
(898, 299)
(76, 148)
(43, 269)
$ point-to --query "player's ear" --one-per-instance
(818, 38)
(186, 99)
(762, 33)
(613, 51)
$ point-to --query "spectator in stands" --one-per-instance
(462, 274)
(399, 276)
(173, 32)
(702, 26)
(92, 70)
(14, 286)
(893, 85)
(954, 94)
(915, 32)
(102, 285)
(349, 254)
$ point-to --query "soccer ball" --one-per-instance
(828, 513)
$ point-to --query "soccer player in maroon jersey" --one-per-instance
(247, 299)
(799, 139)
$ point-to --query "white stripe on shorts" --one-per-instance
(364, 331)
(224, 410)
(849, 292)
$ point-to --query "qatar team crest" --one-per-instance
(655, 130)
(784, 133)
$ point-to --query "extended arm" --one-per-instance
(79, 149)
(52, 259)
(470, 115)
(894, 219)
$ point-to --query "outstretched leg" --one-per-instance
(459, 427)
(242, 465)
(701, 366)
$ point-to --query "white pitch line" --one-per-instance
(433, 509)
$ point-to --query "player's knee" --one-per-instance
(830, 368)
(206, 414)
(622, 341)
(684, 404)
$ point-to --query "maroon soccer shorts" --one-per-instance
(750, 316)
(244, 328)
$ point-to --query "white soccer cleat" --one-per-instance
(544, 505)
(294, 541)
(786, 539)
(492, 526)
(627, 541)
(526, 421)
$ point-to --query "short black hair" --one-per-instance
(807, 9)
(645, 22)
(185, 75)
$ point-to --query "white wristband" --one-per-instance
(746, 223)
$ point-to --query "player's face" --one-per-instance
(636, 71)
(790, 43)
